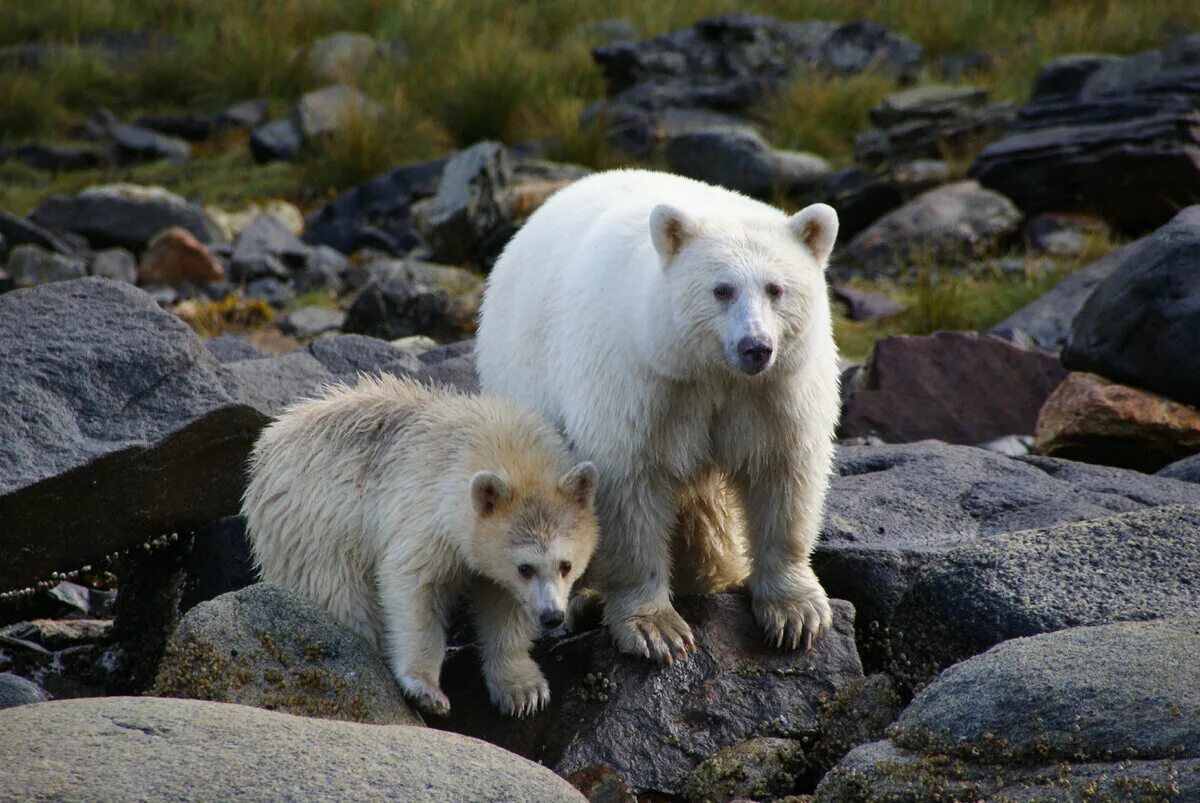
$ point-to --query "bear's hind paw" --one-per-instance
(521, 699)
(427, 696)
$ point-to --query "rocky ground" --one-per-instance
(1012, 535)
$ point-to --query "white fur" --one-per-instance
(384, 501)
(600, 314)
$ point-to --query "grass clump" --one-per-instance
(823, 115)
(234, 313)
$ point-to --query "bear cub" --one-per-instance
(384, 501)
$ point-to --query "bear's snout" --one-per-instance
(754, 354)
(552, 618)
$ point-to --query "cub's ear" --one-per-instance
(488, 492)
(816, 228)
(670, 230)
(580, 484)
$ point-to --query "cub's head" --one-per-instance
(537, 544)
(743, 292)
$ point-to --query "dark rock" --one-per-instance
(82, 600)
(275, 292)
(277, 141)
(1039, 581)
(272, 383)
(457, 372)
(325, 111)
(1108, 136)
(230, 348)
(241, 116)
(346, 356)
(741, 160)
(189, 126)
(218, 563)
(653, 725)
(894, 509)
(116, 264)
(1046, 323)
(858, 714)
(466, 208)
(16, 690)
(266, 235)
(1062, 235)
(323, 269)
(78, 482)
(862, 197)
(1091, 419)
(1186, 470)
(124, 748)
(1141, 325)
(1107, 712)
(125, 215)
(270, 647)
(19, 231)
(376, 214)
(59, 158)
(409, 298)
(29, 265)
(930, 122)
(146, 612)
(132, 144)
(463, 348)
(863, 305)
(960, 219)
(952, 386)
(765, 767)
(311, 321)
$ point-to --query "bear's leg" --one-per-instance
(784, 513)
(415, 634)
(633, 572)
(514, 681)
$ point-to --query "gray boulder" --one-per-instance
(276, 141)
(230, 348)
(120, 427)
(1187, 469)
(653, 725)
(18, 231)
(16, 690)
(467, 208)
(892, 510)
(125, 215)
(310, 321)
(1109, 713)
(410, 297)
(1141, 325)
(116, 264)
(958, 220)
(133, 144)
(272, 383)
(741, 160)
(325, 111)
(30, 265)
(861, 197)
(147, 748)
(271, 648)
(346, 356)
(1131, 567)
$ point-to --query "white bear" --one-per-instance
(680, 336)
(383, 501)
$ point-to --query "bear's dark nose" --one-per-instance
(551, 619)
(753, 354)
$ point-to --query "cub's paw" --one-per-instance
(520, 693)
(659, 634)
(425, 694)
(796, 619)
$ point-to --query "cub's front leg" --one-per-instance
(414, 633)
(506, 633)
(784, 508)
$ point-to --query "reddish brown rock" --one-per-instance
(174, 256)
(957, 387)
(1091, 419)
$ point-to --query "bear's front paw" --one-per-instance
(520, 693)
(425, 694)
(660, 634)
(796, 619)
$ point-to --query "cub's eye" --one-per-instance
(564, 568)
(723, 292)
(774, 291)
(525, 570)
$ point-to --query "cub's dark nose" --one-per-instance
(754, 353)
(551, 619)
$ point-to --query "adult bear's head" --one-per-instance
(745, 291)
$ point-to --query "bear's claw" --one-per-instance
(521, 699)
(661, 635)
(790, 622)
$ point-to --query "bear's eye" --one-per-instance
(774, 291)
(565, 568)
(723, 292)
(525, 570)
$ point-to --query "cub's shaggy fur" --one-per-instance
(679, 334)
(383, 501)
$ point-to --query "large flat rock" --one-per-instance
(147, 748)
(118, 426)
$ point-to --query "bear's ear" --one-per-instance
(816, 228)
(670, 229)
(579, 484)
(488, 492)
